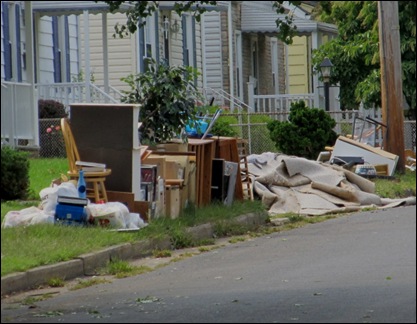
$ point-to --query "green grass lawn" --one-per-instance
(23, 248)
(42, 172)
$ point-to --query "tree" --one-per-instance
(355, 52)
(143, 9)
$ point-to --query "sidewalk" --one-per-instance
(88, 264)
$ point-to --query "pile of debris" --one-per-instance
(288, 184)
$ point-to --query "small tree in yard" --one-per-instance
(167, 95)
(306, 133)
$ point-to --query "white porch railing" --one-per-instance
(276, 103)
(280, 102)
(19, 122)
(74, 92)
(19, 113)
(222, 97)
(113, 92)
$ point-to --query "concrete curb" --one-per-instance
(88, 264)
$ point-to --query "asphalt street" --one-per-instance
(357, 268)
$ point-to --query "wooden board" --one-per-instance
(226, 149)
(204, 151)
(372, 155)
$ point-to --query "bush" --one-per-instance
(14, 174)
(51, 109)
(222, 126)
(306, 133)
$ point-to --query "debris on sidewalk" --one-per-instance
(288, 184)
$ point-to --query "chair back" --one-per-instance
(70, 146)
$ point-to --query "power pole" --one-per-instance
(391, 80)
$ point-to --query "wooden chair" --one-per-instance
(94, 179)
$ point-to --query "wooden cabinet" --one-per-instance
(204, 153)
(108, 133)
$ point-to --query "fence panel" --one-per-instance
(259, 141)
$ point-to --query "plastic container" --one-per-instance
(201, 127)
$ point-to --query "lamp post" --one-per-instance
(326, 69)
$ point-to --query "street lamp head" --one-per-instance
(326, 68)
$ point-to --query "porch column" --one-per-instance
(251, 94)
(231, 74)
(30, 71)
(87, 56)
(316, 91)
(105, 53)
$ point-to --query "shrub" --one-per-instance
(306, 133)
(14, 174)
(51, 109)
(222, 127)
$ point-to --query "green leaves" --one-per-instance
(355, 52)
(305, 134)
(167, 95)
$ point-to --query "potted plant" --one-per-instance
(168, 101)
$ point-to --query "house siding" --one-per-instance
(225, 52)
(73, 46)
(45, 51)
(213, 51)
(122, 52)
(2, 46)
(298, 66)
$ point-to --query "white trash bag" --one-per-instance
(49, 196)
(26, 216)
(111, 214)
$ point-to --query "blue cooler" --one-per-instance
(71, 211)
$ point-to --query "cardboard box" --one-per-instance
(172, 147)
(127, 198)
(174, 170)
(143, 208)
(172, 201)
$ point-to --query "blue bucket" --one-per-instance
(200, 128)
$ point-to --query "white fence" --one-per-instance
(18, 121)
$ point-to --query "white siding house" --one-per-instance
(212, 55)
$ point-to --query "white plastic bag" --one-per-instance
(26, 216)
(135, 222)
(111, 214)
(49, 196)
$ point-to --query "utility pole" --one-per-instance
(391, 80)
